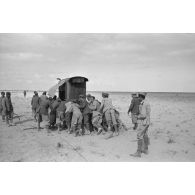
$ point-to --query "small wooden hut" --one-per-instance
(69, 88)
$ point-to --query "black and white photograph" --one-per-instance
(97, 97)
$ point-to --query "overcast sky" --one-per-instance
(112, 62)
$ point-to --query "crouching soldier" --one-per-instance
(83, 105)
(134, 109)
(94, 106)
(8, 110)
(119, 121)
(42, 112)
(143, 120)
(109, 112)
(76, 118)
(1, 106)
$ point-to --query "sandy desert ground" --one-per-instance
(172, 135)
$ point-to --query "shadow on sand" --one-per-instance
(24, 121)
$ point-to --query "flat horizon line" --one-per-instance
(22, 90)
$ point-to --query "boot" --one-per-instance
(145, 145)
(135, 126)
(99, 131)
(59, 128)
(110, 133)
(116, 130)
(73, 129)
(124, 127)
(76, 133)
(139, 148)
(11, 123)
(38, 126)
(81, 133)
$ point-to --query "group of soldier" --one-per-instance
(85, 115)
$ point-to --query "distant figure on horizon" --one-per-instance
(43, 111)
(24, 93)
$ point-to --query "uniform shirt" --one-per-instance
(106, 104)
(35, 102)
(55, 104)
(94, 106)
(75, 109)
(68, 107)
(84, 106)
(1, 106)
(61, 107)
(134, 106)
(44, 106)
(7, 105)
(144, 111)
(43, 98)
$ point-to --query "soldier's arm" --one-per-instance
(92, 107)
(4, 104)
(148, 111)
(101, 106)
(131, 106)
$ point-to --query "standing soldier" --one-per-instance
(42, 111)
(43, 96)
(134, 109)
(1, 105)
(24, 93)
(35, 104)
(8, 110)
(143, 120)
(109, 112)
